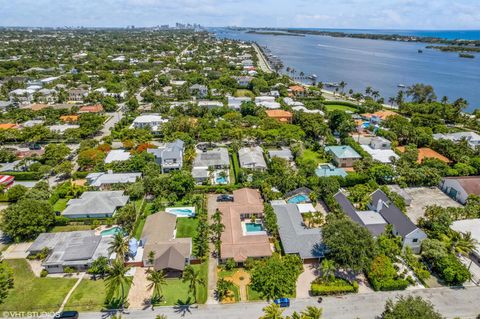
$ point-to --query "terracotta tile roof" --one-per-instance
(235, 244)
(91, 109)
(69, 118)
(383, 114)
(281, 115)
(425, 152)
(297, 88)
(6, 126)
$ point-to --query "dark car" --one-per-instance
(225, 198)
(67, 314)
(282, 302)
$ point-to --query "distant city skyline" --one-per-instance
(361, 14)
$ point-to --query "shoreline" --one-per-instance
(263, 62)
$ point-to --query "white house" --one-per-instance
(459, 188)
(152, 121)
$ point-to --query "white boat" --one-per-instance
(401, 86)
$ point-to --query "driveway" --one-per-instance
(309, 274)
(16, 251)
(426, 196)
(139, 295)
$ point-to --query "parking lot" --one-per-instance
(426, 196)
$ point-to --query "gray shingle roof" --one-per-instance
(296, 238)
(96, 203)
(214, 157)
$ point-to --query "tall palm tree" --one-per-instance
(328, 268)
(117, 278)
(157, 280)
(119, 246)
(463, 243)
(312, 313)
(272, 311)
(194, 280)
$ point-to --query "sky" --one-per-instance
(369, 14)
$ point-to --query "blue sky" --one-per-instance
(388, 14)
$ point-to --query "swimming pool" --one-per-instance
(300, 198)
(112, 231)
(221, 180)
(181, 211)
(253, 227)
(365, 125)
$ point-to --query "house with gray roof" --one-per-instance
(382, 212)
(284, 153)
(105, 180)
(198, 90)
(252, 158)
(169, 156)
(102, 204)
(210, 160)
(296, 237)
(76, 249)
(171, 254)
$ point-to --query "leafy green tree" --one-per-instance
(421, 93)
(312, 313)
(349, 244)
(328, 269)
(16, 192)
(6, 279)
(272, 311)
(27, 219)
(99, 267)
(193, 279)
(126, 217)
(117, 279)
(410, 308)
(132, 104)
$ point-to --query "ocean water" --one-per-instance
(376, 63)
(443, 34)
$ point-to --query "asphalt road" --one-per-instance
(463, 303)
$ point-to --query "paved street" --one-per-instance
(115, 117)
(263, 64)
(463, 303)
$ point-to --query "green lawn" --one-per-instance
(253, 295)
(42, 294)
(334, 107)
(91, 295)
(243, 92)
(176, 291)
(60, 205)
(187, 227)
(311, 156)
(139, 228)
(66, 228)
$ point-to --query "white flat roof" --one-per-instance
(306, 208)
(369, 217)
(379, 154)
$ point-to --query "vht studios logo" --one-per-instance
(27, 314)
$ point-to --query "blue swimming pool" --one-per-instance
(297, 199)
(253, 227)
(181, 211)
(221, 180)
(112, 231)
(365, 125)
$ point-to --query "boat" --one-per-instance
(420, 51)
(330, 84)
(312, 77)
(402, 86)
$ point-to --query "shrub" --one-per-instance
(25, 176)
(337, 286)
(230, 264)
(43, 273)
(80, 175)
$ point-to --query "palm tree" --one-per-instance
(272, 311)
(157, 280)
(119, 246)
(312, 313)
(461, 243)
(117, 278)
(193, 278)
(328, 268)
(151, 257)
(223, 288)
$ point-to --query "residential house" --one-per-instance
(117, 156)
(283, 153)
(7, 181)
(252, 158)
(198, 90)
(472, 138)
(425, 152)
(98, 108)
(297, 90)
(106, 180)
(379, 116)
(382, 212)
(170, 254)
(169, 156)
(327, 170)
(280, 115)
(22, 96)
(150, 121)
(210, 104)
(77, 95)
(243, 81)
(60, 129)
(380, 149)
(459, 188)
(210, 161)
(236, 102)
(244, 235)
(102, 204)
(296, 237)
(76, 249)
(343, 155)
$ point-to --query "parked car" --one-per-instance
(71, 314)
(225, 198)
(282, 302)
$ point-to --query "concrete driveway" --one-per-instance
(426, 196)
(16, 251)
(139, 295)
(308, 275)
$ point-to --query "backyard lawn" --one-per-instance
(66, 228)
(243, 93)
(91, 295)
(311, 156)
(43, 294)
(334, 107)
(60, 205)
(187, 227)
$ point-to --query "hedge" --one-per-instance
(80, 175)
(219, 189)
(25, 176)
(344, 103)
(389, 284)
(339, 286)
